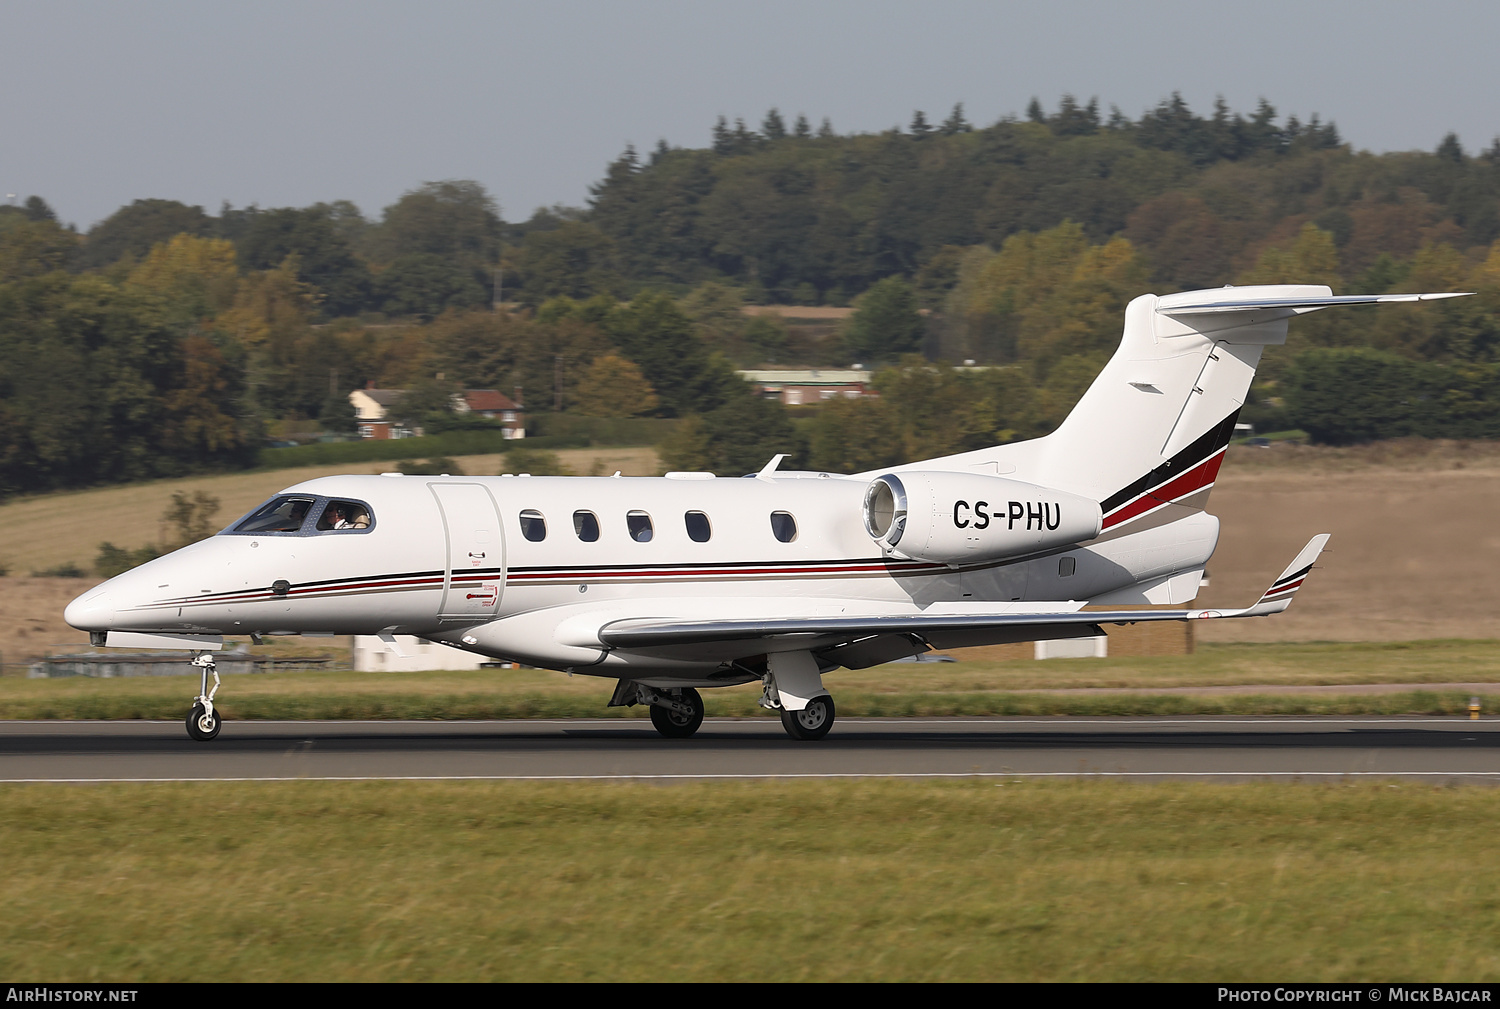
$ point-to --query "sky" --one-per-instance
(281, 103)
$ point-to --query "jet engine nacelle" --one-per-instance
(960, 518)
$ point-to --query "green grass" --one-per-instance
(872, 880)
(969, 688)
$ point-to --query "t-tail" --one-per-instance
(1152, 429)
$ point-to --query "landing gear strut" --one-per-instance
(793, 687)
(203, 721)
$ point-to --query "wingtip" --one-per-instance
(1291, 579)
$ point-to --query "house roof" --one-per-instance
(488, 400)
(385, 397)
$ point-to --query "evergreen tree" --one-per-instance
(955, 123)
(37, 210)
(745, 140)
(919, 125)
(773, 127)
(1073, 120)
(723, 140)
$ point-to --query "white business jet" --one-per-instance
(673, 584)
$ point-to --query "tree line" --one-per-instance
(167, 340)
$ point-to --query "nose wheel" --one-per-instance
(203, 724)
(676, 714)
(204, 721)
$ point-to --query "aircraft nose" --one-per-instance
(92, 611)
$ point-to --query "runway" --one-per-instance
(1438, 750)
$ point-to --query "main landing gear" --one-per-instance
(793, 688)
(812, 722)
(203, 721)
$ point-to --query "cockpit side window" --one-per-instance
(284, 514)
(338, 514)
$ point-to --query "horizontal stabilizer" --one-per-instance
(1291, 306)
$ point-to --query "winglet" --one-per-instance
(1279, 596)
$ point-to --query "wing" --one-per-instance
(858, 641)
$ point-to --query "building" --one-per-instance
(372, 408)
(493, 405)
(407, 654)
(794, 388)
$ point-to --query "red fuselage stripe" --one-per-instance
(1195, 479)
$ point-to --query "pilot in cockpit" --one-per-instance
(343, 515)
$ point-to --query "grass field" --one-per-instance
(969, 688)
(877, 880)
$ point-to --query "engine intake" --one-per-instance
(961, 518)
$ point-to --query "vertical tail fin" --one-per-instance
(1152, 428)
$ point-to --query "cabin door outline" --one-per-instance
(474, 568)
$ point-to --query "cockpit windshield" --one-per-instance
(307, 514)
(279, 515)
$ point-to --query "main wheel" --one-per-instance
(812, 722)
(201, 725)
(675, 724)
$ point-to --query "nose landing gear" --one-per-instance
(203, 721)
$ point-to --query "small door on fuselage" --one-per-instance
(474, 575)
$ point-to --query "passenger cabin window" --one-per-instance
(697, 527)
(784, 526)
(533, 525)
(586, 525)
(344, 515)
(639, 524)
(278, 515)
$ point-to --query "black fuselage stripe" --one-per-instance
(1212, 440)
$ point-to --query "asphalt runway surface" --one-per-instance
(1437, 750)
